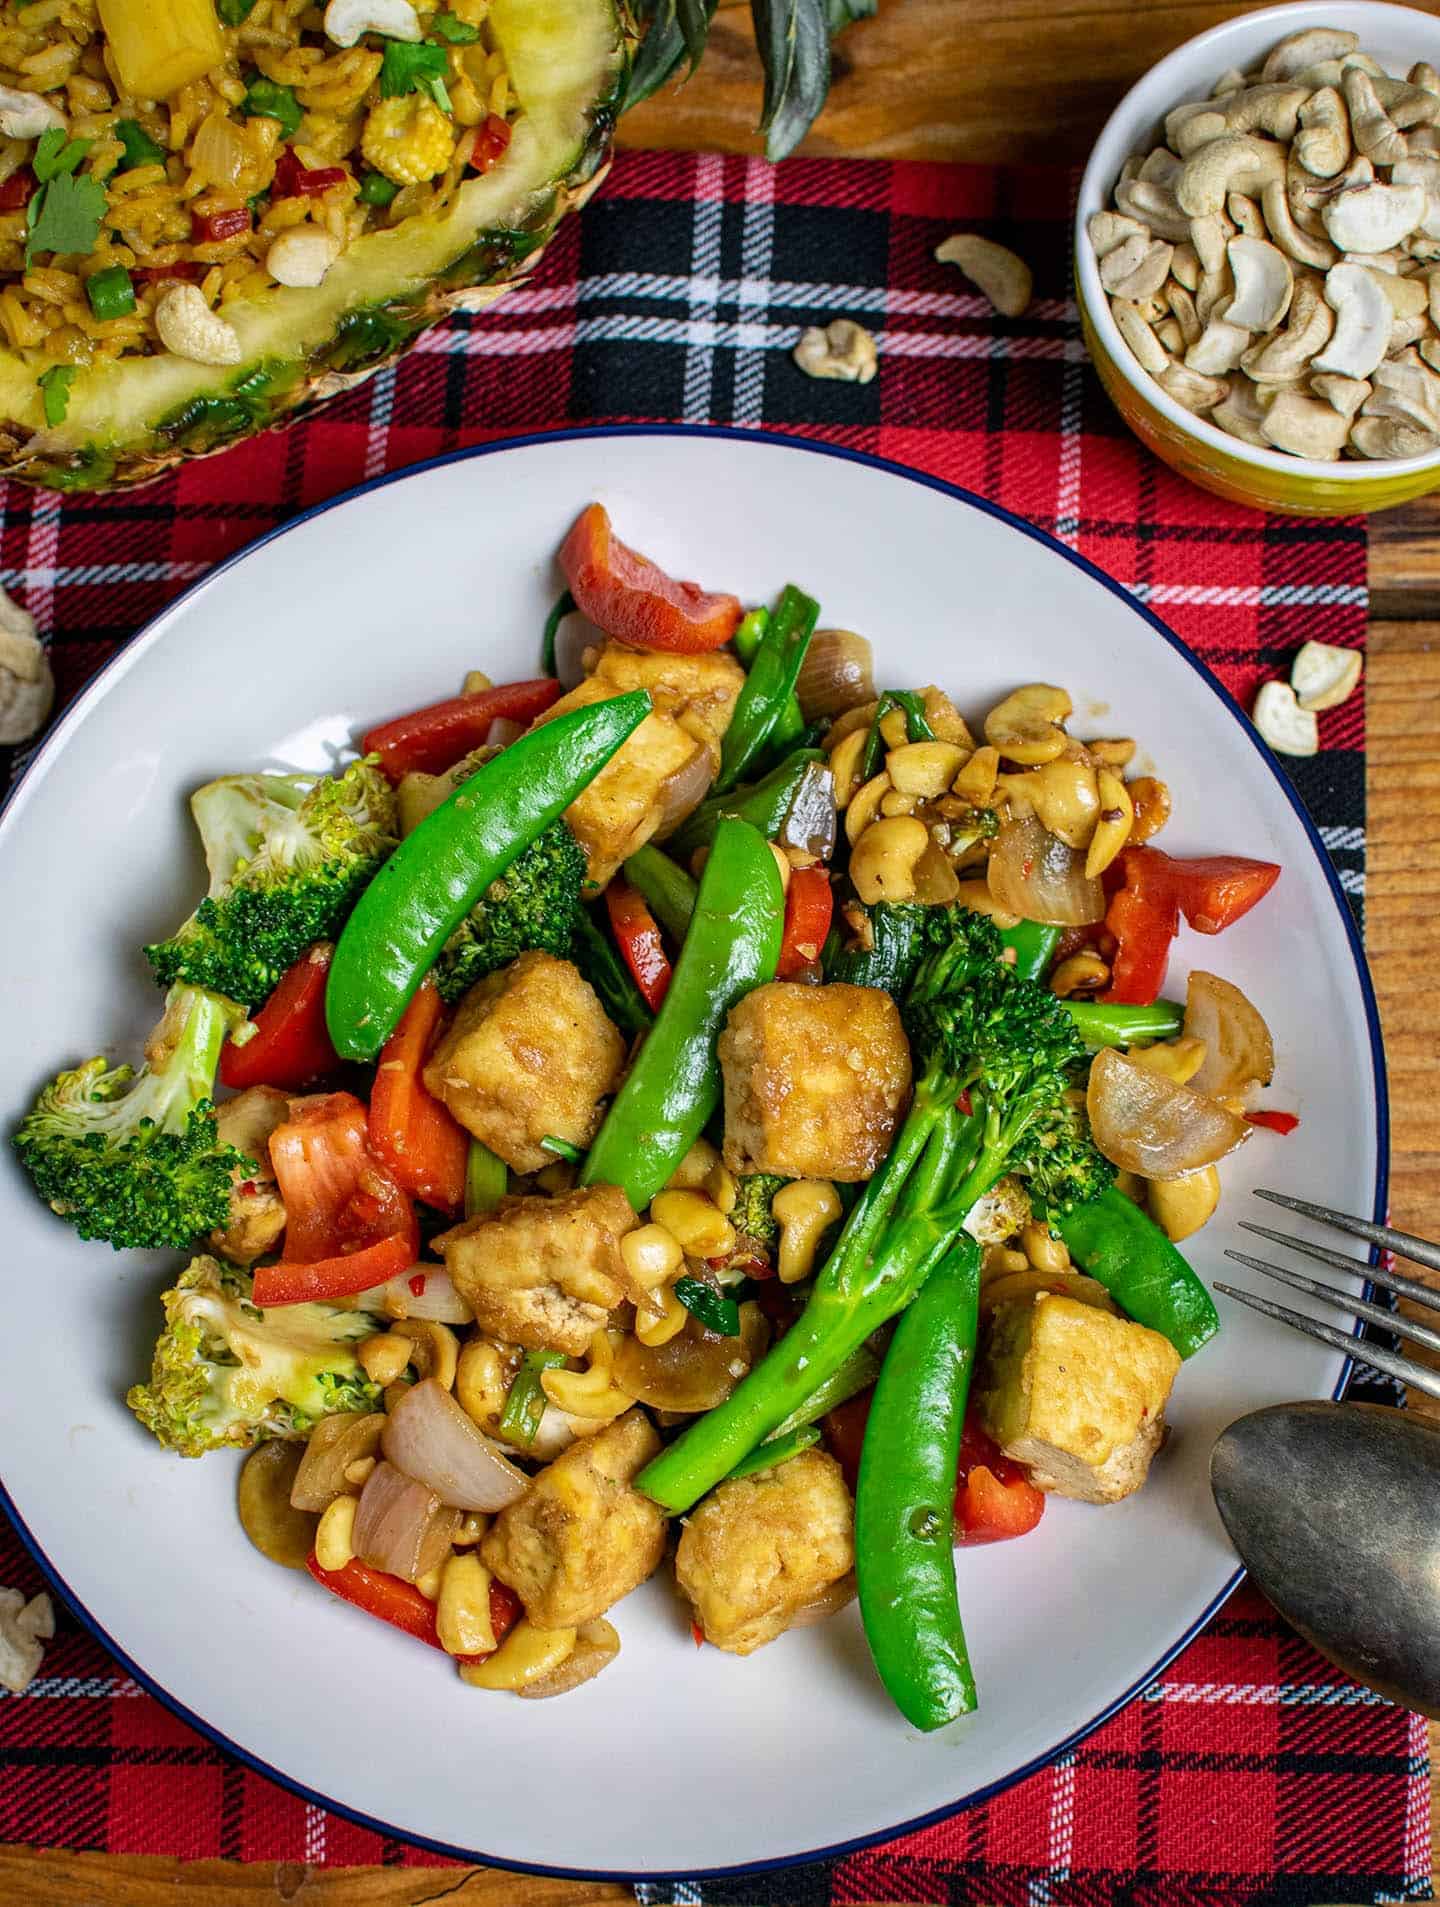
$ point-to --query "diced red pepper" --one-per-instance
(17, 190)
(294, 181)
(1144, 924)
(491, 143)
(639, 941)
(697, 1633)
(183, 268)
(410, 1131)
(809, 904)
(291, 1044)
(430, 740)
(418, 1284)
(632, 599)
(209, 228)
(1281, 1122)
(964, 1105)
(994, 1498)
(348, 1224)
(1212, 891)
(391, 1599)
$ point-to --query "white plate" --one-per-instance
(677, 1759)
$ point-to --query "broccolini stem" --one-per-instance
(184, 1049)
(1102, 1023)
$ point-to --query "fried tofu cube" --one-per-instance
(816, 1081)
(762, 1547)
(529, 1054)
(581, 1537)
(1077, 1395)
(663, 770)
(543, 1272)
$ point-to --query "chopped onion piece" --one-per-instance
(436, 1302)
(1033, 873)
(681, 793)
(401, 1526)
(431, 1438)
(335, 1443)
(1238, 1049)
(1148, 1124)
(838, 673)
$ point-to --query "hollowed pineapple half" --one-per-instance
(130, 419)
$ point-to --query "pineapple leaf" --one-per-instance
(843, 12)
(662, 51)
(694, 18)
(794, 41)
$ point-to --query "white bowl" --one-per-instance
(676, 1759)
(1268, 479)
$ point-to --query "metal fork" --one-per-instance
(1404, 1244)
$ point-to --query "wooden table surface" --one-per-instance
(989, 81)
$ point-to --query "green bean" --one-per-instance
(1101, 1024)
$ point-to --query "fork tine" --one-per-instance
(1418, 1250)
(1376, 1314)
(1375, 1355)
(1377, 1274)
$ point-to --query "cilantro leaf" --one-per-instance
(65, 215)
(408, 68)
(56, 155)
(266, 98)
(450, 27)
(235, 12)
(139, 148)
(55, 392)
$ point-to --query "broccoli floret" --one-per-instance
(289, 856)
(534, 904)
(228, 1375)
(137, 1159)
(752, 1217)
(1059, 1160)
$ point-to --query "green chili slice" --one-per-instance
(525, 1399)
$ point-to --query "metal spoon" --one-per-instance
(1335, 1510)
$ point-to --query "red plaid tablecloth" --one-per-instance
(1250, 1772)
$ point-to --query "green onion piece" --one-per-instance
(562, 1148)
(376, 189)
(563, 608)
(718, 1314)
(451, 28)
(525, 1399)
(486, 1178)
(111, 293)
(917, 722)
(55, 392)
(775, 1450)
(917, 727)
(267, 99)
(746, 639)
(139, 148)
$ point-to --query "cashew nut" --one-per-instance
(1155, 206)
(1272, 109)
(1407, 389)
(1004, 278)
(1302, 247)
(1373, 130)
(188, 327)
(1216, 290)
(1148, 349)
(1407, 297)
(27, 688)
(1344, 394)
(1263, 284)
(843, 350)
(1138, 268)
(1171, 336)
(1181, 1206)
(1280, 359)
(1406, 105)
(1322, 144)
(1209, 236)
(1375, 217)
(347, 20)
(1230, 81)
(1424, 172)
(1189, 126)
(301, 255)
(1238, 162)
(1182, 305)
(1218, 349)
(1159, 167)
(1112, 830)
(1244, 214)
(1026, 726)
(882, 862)
(1305, 426)
(1389, 437)
(1289, 729)
(26, 115)
(1241, 413)
(1423, 74)
(1185, 264)
(1109, 230)
(1362, 322)
(1288, 58)
(1191, 388)
(1323, 676)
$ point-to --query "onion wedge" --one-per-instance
(1146, 1123)
(1238, 1049)
(1033, 873)
(401, 1526)
(430, 1437)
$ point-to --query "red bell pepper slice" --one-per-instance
(1281, 1122)
(639, 941)
(632, 599)
(1143, 925)
(348, 1224)
(410, 1131)
(403, 1606)
(1212, 891)
(291, 1045)
(17, 190)
(809, 904)
(209, 228)
(491, 143)
(994, 1499)
(295, 181)
(430, 740)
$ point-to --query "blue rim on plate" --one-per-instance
(472, 1856)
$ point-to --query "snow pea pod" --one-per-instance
(438, 872)
(1118, 1245)
(764, 804)
(664, 886)
(1033, 944)
(769, 686)
(674, 1086)
(905, 1497)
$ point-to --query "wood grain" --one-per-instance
(997, 81)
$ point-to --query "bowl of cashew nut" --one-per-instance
(1257, 258)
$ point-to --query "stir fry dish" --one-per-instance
(722, 1110)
